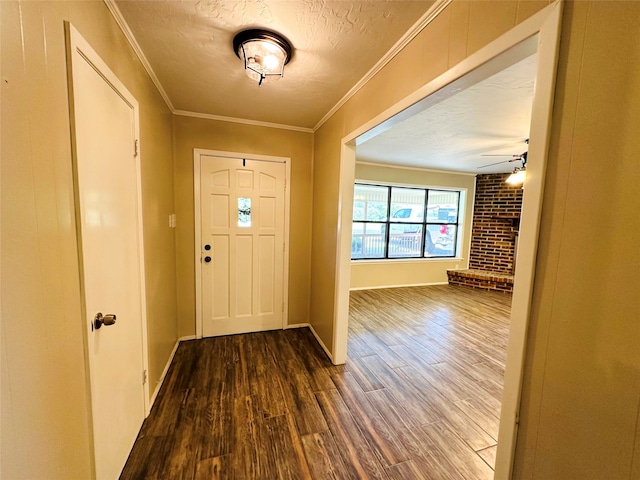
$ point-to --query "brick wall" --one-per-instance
(496, 219)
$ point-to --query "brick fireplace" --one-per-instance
(496, 220)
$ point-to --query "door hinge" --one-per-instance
(144, 377)
(282, 307)
(135, 148)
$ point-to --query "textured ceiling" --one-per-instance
(491, 117)
(189, 46)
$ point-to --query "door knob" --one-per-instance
(108, 319)
(207, 247)
(207, 259)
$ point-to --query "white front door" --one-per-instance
(242, 244)
(106, 171)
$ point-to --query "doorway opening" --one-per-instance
(542, 31)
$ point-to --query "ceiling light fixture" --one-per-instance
(517, 177)
(264, 54)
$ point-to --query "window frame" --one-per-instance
(388, 222)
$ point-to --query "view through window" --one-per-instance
(404, 222)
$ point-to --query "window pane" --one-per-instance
(368, 240)
(442, 206)
(370, 203)
(244, 212)
(440, 241)
(407, 204)
(405, 240)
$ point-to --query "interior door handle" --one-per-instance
(108, 319)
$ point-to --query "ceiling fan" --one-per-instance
(514, 158)
(522, 157)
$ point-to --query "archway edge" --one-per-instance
(543, 30)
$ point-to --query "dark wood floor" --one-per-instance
(419, 397)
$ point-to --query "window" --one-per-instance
(390, 222)
(244, 212)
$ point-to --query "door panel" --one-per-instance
(220, 296)
(245, 179)
(266, 280)
(107, 221)
(244, 276)
(267, 212)
(219, 210)
(242, 217)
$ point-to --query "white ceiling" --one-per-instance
(490, 117)
(188, 44)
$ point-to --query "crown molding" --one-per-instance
(420, 169)
(417, 27)
(124, 26)
(122, 23)
(431, 14)
(244, 121)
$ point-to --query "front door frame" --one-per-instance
(545, 25)
(197, 154)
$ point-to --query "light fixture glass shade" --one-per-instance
(264, 54)
(517, 177)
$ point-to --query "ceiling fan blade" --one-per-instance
(497, 155)
(498, 163)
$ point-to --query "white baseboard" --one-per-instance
(297, 325)
(302, 325)
(166, 369)
(377, 287)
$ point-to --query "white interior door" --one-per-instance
(242, 245)
(105, 117)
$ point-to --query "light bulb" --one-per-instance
(516, 177)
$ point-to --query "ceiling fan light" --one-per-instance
(517, 177)
(264, 54)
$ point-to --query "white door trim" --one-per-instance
(546, 26)
(197, 154)
(76, 43)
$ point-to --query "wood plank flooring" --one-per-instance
(419, 397)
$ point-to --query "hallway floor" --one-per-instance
(419, 397)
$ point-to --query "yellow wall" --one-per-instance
(45, 414)
(190, 133)
(375, 274)
(581, 396)
(581, 393)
